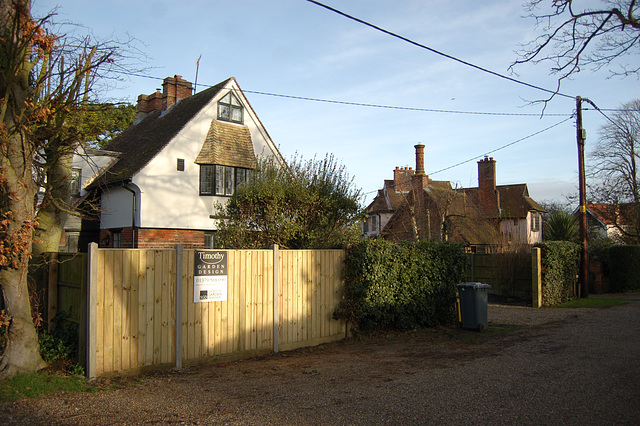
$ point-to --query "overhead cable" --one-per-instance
(553, 92)
(502, 147)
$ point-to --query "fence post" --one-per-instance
(178, 333)
(91, 301)
(536, 277)
(276, 287)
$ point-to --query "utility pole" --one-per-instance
(581, 136)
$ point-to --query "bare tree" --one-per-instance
(590, 37)
(613, 166)
(45, 82)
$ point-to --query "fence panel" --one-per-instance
(310, 289)
(509, 274)
(71, 280)
(135, 310)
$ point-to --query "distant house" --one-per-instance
(413, 206)
(612, 220)
(160, 181)
(387, 201)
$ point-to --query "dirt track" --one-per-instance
(559, 366)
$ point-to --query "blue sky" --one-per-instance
(296, 48)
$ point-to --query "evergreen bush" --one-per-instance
(402, 286)
(560, 264)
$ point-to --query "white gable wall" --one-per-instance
(170, 198)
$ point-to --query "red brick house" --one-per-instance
(413, 206)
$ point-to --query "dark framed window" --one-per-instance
(117, 239)
(222, 180)
(180, 165)
(230, 108)
(209, 239)
(243, 176)
(206, 179)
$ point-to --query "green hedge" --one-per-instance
(402, 286)
(560, 265)
(624, 267)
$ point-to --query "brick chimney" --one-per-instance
(420, 180)
(174, 89)
(402, 179)
(488, 196)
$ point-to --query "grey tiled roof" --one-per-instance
(142, 141)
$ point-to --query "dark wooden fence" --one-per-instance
(514, 274)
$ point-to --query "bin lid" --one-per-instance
(473, 285)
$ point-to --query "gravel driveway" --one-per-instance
(548, 366)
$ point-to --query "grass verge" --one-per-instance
(35, 385)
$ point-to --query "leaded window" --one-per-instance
(206, 179)
(222, 180)
(230, 108)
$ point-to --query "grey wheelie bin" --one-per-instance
(472, 305)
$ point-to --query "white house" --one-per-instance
(161, 180)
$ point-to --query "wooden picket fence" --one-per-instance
(141, 312)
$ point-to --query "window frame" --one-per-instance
(222, 181)
(209, 240)
(207, 182)
(535, 222)
(227, 109)
(116, 238)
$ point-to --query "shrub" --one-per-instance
(402, 286)
(62, 342)
(560, 263)
(624, 266)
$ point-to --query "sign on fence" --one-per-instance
(210, 276)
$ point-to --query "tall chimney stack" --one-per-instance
(488, 195)
(419, 159)
(419, 180)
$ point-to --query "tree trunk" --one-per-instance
(18, 189)
(22, 353)
(23, 350)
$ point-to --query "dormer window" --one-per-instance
(230, 109)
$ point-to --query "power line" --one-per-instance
(553, 92)
(400, 107)
(368, 105)
(502, 147)
(606, 116)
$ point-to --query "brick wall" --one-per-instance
(153, 238)
(167, 238)
(107, 238)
